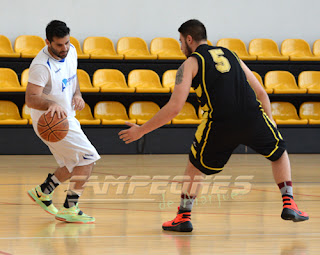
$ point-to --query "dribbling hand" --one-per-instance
(58, 109)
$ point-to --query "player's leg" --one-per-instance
(70, 211)
(282, 175)
(189, 191)
(267, 140)
(210, 151)
(42, 194)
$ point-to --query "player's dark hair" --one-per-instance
(56, 28)
(194, 28)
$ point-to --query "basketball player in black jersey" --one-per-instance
(236, 111)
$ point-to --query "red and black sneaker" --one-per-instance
(181, 223)
(290, 210)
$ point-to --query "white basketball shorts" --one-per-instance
(73, 150)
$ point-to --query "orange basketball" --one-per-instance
(52, 129)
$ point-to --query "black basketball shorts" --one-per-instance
(215, 141)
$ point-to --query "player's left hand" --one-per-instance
(132, 134)
(77, 103)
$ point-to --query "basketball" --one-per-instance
(52, 129)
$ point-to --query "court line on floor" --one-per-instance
(258, 235)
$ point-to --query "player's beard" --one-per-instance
(58, 54)
(188, 50)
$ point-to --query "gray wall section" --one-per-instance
(167, 140)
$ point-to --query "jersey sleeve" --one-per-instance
(39, 75)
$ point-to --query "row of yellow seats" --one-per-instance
(104, 80)
(148, 81)
(114, 113)
(284, 113)
(105, 113)
(28, 46)
(267, 49)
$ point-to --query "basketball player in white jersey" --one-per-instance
(53, 87)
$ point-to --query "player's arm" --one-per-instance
(184, 77)
(77, 100)
(259, 90)
(40, 75)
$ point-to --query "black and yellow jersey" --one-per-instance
(221, 85)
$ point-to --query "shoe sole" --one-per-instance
(183, 227)
(288, 214)
(38, 202)
(76, 222)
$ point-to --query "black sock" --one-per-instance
(71, 199)
(49, 184)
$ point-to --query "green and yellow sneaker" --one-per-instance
(42, 199)
(73, 215)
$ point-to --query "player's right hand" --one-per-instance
(54, 107)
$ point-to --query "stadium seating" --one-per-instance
(237, 46)
(187, 115)
(268, 90)
(166, 48)
(85, 82)
(311, 112)
(28, 45)
(9, 114)
(100, 48)
(310, 80)
(146, 81)
(282, 82)
(111, 113)
(6, 50)
(284, 113)
(85, 116)
(9, 81)
(134, 48)
(77, 45)
(266, 49)
(297, 50)
(111, 80)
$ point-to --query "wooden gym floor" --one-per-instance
(237, 212)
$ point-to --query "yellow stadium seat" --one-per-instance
(85, 82)
(26, 113)
(6, 50)
(111, 80)
(25, 78)
(85, 116)
(166, 48)
(310, 80)
(9, 114)
(169, 79)
(268, 90)
(311, 112)
(285, 113)
(100, 48)
(209, 43)
(9, 81)
(237, 46)
(316, 48)
(143, 111)
(266, 49)
(282, 82)
(28, 45)
(187, 115)
(111, 113)
(77, 45)
(297, 50)
(134, 48)
(146, 81)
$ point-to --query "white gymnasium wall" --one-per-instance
(244, 19)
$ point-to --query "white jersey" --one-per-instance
(58, 77)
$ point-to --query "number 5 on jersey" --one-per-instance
(222, 63)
